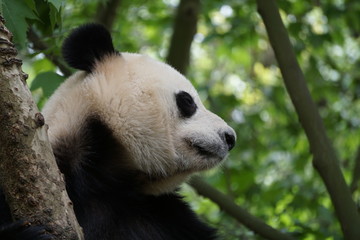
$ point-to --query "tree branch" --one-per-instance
(325, 160)
(240, 214)
(107, 13)
(184, 30)
(39, 45)
(356, 173)
(29, 176)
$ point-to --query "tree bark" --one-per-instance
(324, 156)
(185, 26)
(29, 176)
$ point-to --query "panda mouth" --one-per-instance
(204, 152)
(203, 149)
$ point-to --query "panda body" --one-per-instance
(126, 130)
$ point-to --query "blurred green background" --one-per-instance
(232, 65)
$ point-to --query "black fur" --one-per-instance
(86, 45)
(106, 194)
(5, 216)
(21, 230)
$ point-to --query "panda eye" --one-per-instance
(186, 104)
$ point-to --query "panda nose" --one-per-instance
(229, 138)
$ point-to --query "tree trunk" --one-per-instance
(29, 176)
(185, 26)
(107, 13)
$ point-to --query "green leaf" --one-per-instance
(43, 65)
(48, 82)
(54, 13)
(15, 13)
(31, 4)
(53, 16)
(56, 3)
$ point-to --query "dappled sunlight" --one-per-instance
(317, 20)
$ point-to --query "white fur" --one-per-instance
(135, 96)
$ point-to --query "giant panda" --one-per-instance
(126, 130)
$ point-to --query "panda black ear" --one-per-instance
(87, 44)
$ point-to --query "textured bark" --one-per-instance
(240, 214)
(324, 156)
(185, 26)
(29, 176)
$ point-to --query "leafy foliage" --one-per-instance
(269, 172)
(47, 82)
(17, 22)
(20, 13)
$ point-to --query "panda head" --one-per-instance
(152, 110)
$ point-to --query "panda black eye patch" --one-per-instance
(185, 104)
